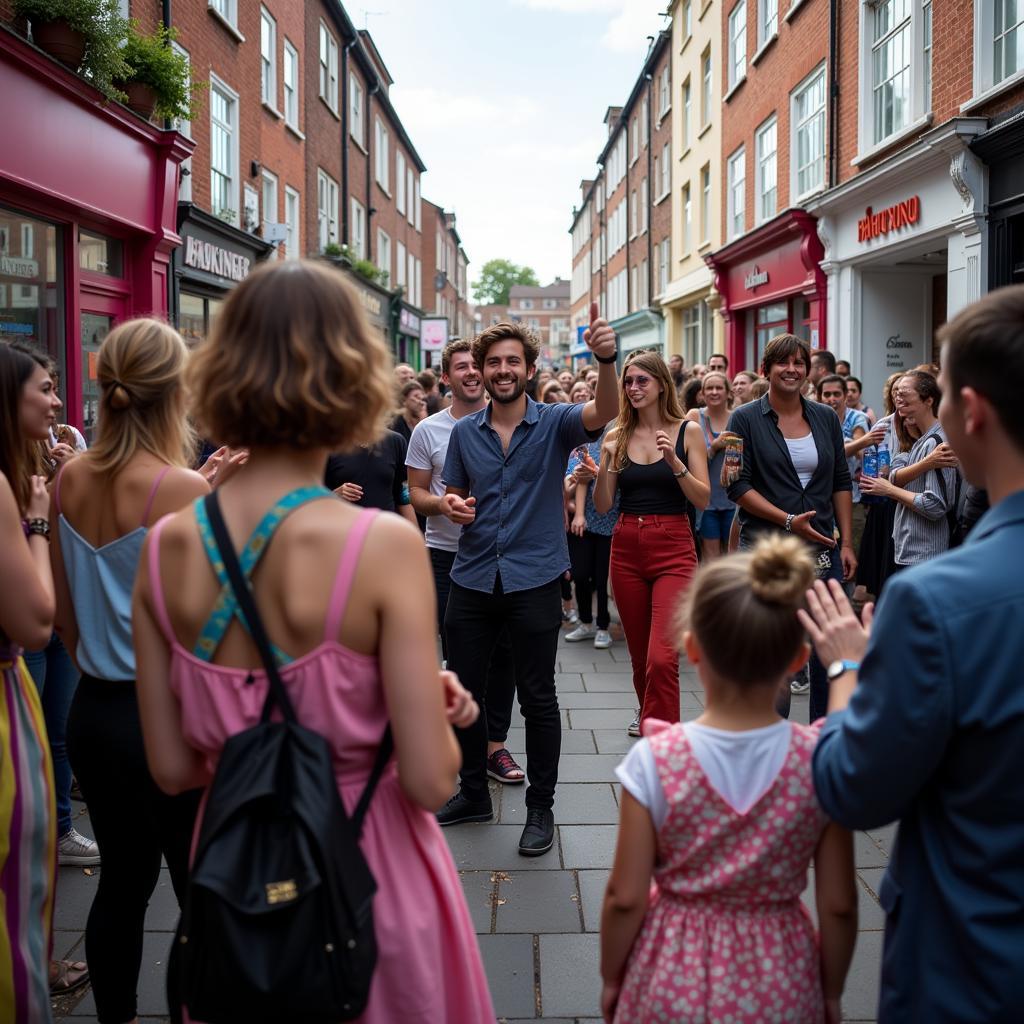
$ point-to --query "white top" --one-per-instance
(741, 766)
(803, 453)
(428, 447)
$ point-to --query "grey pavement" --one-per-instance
(537, 919)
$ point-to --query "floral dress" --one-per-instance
(726, 937)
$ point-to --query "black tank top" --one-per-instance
(653, 490)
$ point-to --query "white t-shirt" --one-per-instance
(803, 453)
(428, 447)
(741, 766)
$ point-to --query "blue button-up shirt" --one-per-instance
(519, 529)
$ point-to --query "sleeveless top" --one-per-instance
(719, 501)
(652, 490)
(101, 581)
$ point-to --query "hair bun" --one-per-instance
(781, 570)
(119, 397)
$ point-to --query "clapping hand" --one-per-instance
(599, 337)
(832, 624)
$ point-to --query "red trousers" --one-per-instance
(653, 561)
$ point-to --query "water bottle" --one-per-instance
(884, 461)
(870, 461)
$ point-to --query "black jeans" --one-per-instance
(501, 673)
(590, 555)
(474, 621)
(135, 824)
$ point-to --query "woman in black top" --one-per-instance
(658, 462)
(414, 409)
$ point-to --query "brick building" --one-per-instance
(446, 269)
(545, 310)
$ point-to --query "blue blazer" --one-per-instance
(934, 737)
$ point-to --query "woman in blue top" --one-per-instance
(102, 504)
(716, 519)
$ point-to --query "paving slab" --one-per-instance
(609, 682)
(588, 768)
(608, 699)
(588, 846)
(495, 848)
(592, 886)
(576, 803)
(870, 916)
(867, 853)
(613, 741)
(570, 980)
(574, 741)
(860, 998)
(508, 961)
(613, 718)
(479, 888)
(538, 901)
(152, 991)
(568, 682)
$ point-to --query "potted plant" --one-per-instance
(158, 76)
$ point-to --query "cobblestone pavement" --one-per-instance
(537, 919)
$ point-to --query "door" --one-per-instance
(99, 313)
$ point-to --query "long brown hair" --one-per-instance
(669, 409)
(19, 456)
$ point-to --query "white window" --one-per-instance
(268, 58)
(355, 110)
(384, 251)
(414, 199)
(327, 209)
(634, 280)
(291, 85)
(269, 200)
(328, 68)
(184, 126)
(644, 203)
(418, 284)
(926, 19)
(767, 171)
(292, 220)
(687, 208)
(664, 90)
(737, 178)
(250, 208)
(891, 71)
(644, 284)
(357, 229)
(634, 140)
(706, 88)
(808, 121)
(381, 157)
(410, 277)
(737, 44)
(645, 118)
(664, 261)
(223, 151)
(705, 203)
(767, 20)
(687, 105)
(28, 240)
(633, 222)
(1007, 39)
(687, 19)
(227, 9)
(400, 269)
(400, 181)
(666, 169)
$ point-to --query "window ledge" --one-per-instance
(295, 131)
(382, 188)
(793, 8)
(801, 199)
(272, 110)
(662, 114)
(686, 43)
(334, 113)
(217, 16)
(764, 47)
(892, 140)
(362, 149)
(705, 6)
(982, 98)
(662, 198)
(685, 153)
(704, 130)
(734, 88)
(706, 244)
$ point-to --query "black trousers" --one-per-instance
(533, 618)
(501, 674)
(135, 824)
(590, 556)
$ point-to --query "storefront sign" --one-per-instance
(215, 259)
(409, 322)
(899, 215)
(755, 278)
(371, 302)
(433, 333)
(13, 266)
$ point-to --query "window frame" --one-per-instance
(686, 225)
(707, 88)
(229, 14)
(382, 154)
(767, 22)
(327, 187)
(736, 33)
(705, 204)
(761, 161)
(292, 104)
(384, 243)
(234, 179)
(293, 241)
(797, 125)
(271, 179)
(687, 111)
(357, 239)
(328, 70)
(268, 62)
(400, 182)
(984, 72)
(356, 110)
(665, 91)
(737, 158)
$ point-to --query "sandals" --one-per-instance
(67, 976)
(501, 765)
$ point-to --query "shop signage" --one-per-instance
(409, 322)
(215, 259)
(433, 333)
(873, 225)
(755, 278)
(14, 267)
(371, 302)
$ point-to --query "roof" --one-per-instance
(557, 289)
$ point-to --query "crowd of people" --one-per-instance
(749, 522)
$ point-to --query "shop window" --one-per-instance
(696, 324)
(196, 314)
(31, 286)
(805, 321)
(808, 120)
(770, 320)
(100, 255)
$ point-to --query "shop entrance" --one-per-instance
(98, 315)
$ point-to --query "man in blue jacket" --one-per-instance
(926, 720)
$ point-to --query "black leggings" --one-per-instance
(135, 823)
(590, 555)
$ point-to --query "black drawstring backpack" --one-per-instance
(278, 916)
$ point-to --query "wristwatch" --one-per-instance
(607, 360)
(838, 668)
(683, 472)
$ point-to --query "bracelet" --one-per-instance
(40, 527)
(607, 360)
(789, 522)
(682, 473)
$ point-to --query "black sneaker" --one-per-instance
(539, 833)
(459, 810)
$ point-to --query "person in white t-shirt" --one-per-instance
(424, 461)
(722, 813)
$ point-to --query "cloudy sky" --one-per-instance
(504, 100)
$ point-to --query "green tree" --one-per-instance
(496, 278)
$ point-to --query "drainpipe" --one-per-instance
(833, 93)
(650, 190)
(370, 93)
(344, 142)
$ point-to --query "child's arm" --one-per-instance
(625, 900)
(836, 895)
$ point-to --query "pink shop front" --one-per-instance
(771, 283)
(88, 200)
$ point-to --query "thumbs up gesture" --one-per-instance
(599, 337)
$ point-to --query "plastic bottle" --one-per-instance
(869, 462)
(884, 461)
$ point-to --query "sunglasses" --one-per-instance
(640, 381)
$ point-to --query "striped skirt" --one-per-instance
(28, 848)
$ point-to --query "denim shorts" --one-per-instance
(715, 523)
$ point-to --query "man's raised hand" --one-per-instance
(599, 336)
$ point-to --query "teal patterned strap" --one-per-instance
(226, 607)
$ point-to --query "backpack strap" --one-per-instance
(346, 571)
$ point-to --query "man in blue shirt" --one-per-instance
(926, 716)
(504, 477)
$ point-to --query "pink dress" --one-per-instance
(428, 968)
(726, 937)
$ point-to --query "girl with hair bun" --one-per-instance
(721, 813)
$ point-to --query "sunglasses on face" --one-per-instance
(639, 381)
